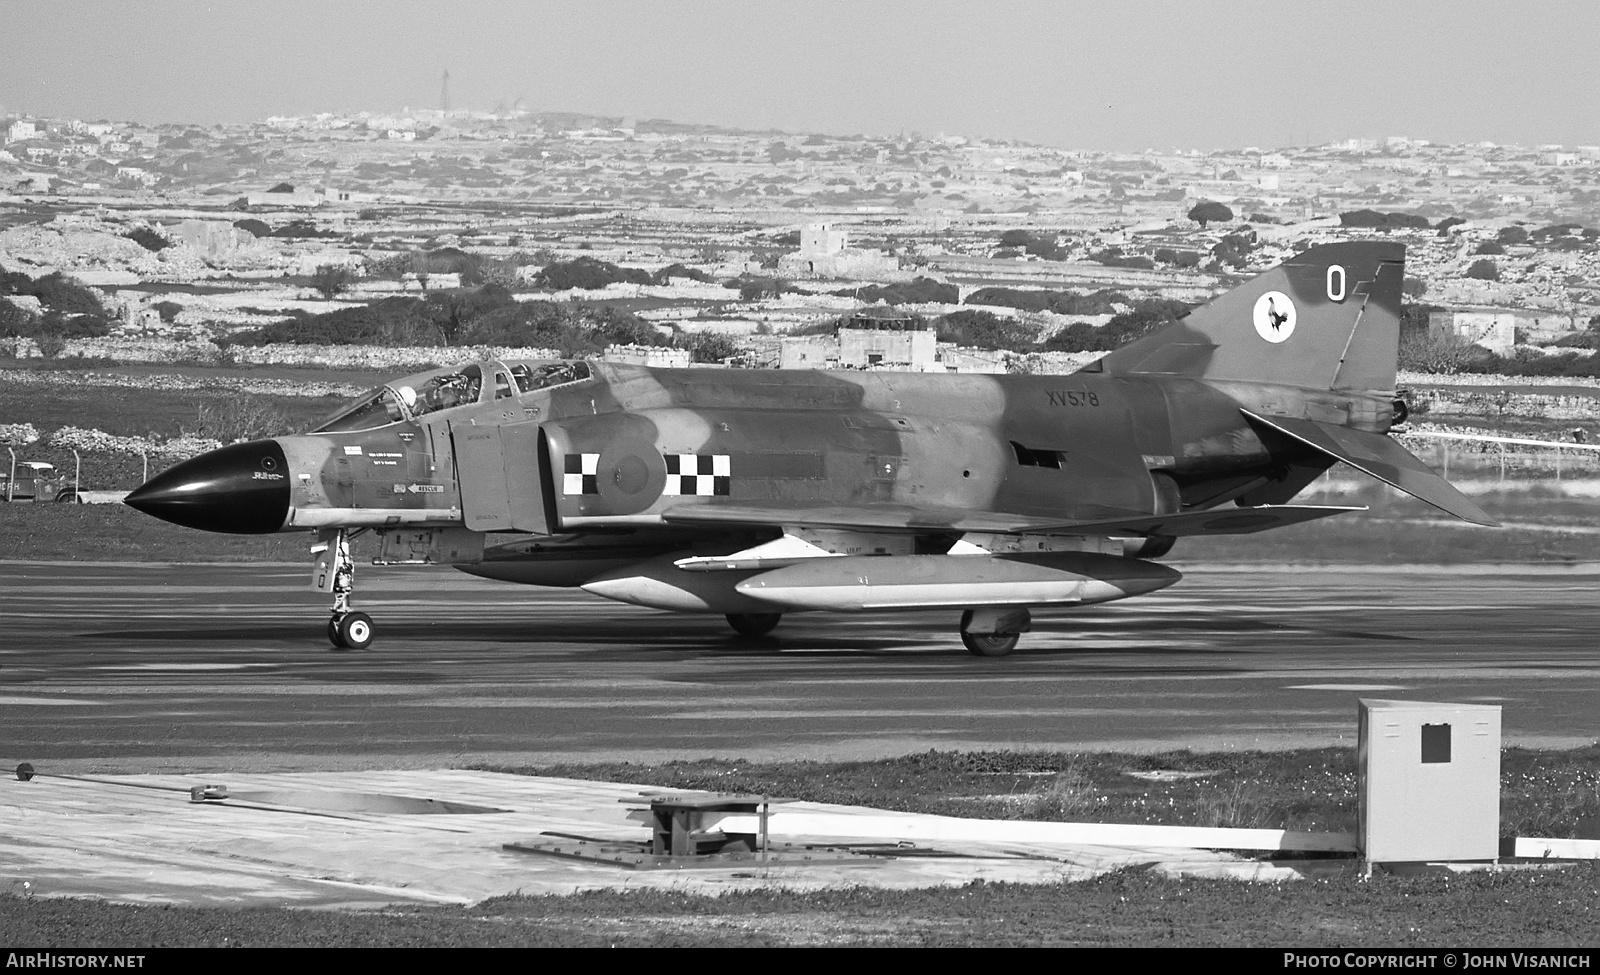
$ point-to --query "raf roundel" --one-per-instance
(1274, 317)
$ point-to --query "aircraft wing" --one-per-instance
(1215, 521)
(877, 517)
(1378, 456)
(1221, 521)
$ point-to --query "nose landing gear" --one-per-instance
(335, 572)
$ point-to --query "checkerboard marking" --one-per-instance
(580, 475)
(698, 475)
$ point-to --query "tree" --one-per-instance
(709, 347)
(332, 279)
(15, 320)
(1208, 211)
(419, 265)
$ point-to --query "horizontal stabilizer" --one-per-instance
(1376, 455)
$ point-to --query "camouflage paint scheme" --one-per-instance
(611, 476)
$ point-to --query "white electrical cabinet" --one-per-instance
(1429, 781)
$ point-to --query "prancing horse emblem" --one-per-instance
(1274, 317)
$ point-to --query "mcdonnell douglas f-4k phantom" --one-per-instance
(753, 493)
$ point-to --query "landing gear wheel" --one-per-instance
(333, 634)
(754, 624)
(990, 644)
(355, 630)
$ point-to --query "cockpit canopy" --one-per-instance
(443, 389)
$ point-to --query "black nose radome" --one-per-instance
(242, 489)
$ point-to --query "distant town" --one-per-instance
(378, 237)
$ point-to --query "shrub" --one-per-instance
(1383, 221)
(1145, 317)
(168, 310)
(1484, 270)
(986, 330)
(497, 271)
(666, 274)
(15, 320)
(148, 238)
(388, 321)
(302, 229)
(254, 227)
(1489, 247)
(332, 279)
(1210, 211)
(920, 290)
(588, 273)
(54, 291)
(1060, 302)
(709, 347)
(231, 419)
(1512, 235)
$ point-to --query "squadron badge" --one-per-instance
(1274, 317)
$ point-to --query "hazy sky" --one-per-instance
(1100, 75)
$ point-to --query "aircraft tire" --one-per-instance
(333, 634)
(355, 630)
(754, 624)
(990, 644)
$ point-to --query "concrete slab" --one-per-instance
(358, 839)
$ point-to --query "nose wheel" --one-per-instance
(350, 631)
(335, 572)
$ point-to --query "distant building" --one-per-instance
(826, 250)
(648, 355)
(875, 337)
(1494, 329)
(211, 238)
(21, 131)
(822, 240)
(809, 352)
(885, 336)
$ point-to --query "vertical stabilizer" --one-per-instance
(1327, 318)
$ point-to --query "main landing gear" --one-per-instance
(335, 572)
(994, 632)
(754, 624)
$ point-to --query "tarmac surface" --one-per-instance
(148, 668)
(127, 685)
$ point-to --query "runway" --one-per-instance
(161, 667)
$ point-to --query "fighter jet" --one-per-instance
(755, 493)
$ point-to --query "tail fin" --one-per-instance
(1327, 318)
